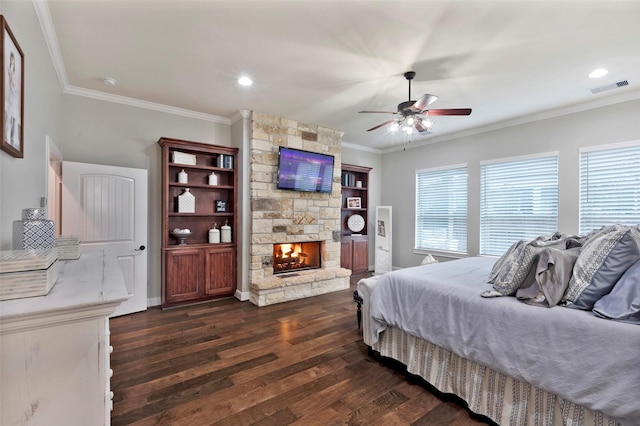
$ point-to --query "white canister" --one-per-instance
(226, 233)
(183, 177)
(358, 184)
(213, 179)
(214, 235)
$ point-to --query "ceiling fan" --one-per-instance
(413, 114)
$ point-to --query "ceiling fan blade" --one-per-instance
(424, 101)
(380, 125)
(451, 111)
(377, 112)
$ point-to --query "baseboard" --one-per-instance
(242, 295)
(154, 301)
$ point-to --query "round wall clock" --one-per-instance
(355, 223)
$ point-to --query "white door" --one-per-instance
(106, 206)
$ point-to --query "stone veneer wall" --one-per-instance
(279, 216)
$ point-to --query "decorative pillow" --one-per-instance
(428, 259)
(513, 274)
(623, 303)
(508, 257)
(601, 263)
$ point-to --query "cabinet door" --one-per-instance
(220, 270)
(346, 253)
(182, 274)
(360, 260)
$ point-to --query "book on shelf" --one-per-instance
(225, 161)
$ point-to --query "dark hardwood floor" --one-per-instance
(229, 362)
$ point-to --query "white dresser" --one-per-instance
(54, 349)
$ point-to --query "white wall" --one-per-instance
(22, 180)
(565, 134)
(85, 130)
(102, 132)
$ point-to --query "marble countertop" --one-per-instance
(93, 281)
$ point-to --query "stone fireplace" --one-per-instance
(290, 217)
(298, 256)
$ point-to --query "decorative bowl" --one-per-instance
(181, 235)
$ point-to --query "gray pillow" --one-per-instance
(623, 303)
(601, 263)
(547, 281)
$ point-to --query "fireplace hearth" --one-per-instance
(291, 257)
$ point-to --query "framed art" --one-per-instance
(12, 92)
(221, 206)
(354, 202)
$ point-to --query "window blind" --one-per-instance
(609, 187)
(441, 209)
(518, 201)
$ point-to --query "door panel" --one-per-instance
(220, 277)
(184, 281)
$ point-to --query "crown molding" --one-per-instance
(48, 30)
(102, 96)
(543, 115)
(361, 148)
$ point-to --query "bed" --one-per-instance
(515, 363)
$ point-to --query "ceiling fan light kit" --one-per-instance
(413, 114)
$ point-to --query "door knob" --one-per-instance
(140, 248)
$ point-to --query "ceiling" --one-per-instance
(320, 62)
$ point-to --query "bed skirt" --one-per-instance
(501, 398)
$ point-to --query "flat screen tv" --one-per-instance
(306, 171)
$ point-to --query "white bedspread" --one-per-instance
(588, 360)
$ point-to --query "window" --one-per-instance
(441, 209)
(518, 201)
(609, 187)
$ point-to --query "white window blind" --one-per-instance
(609, 187)
(518, 201)
(441, 209)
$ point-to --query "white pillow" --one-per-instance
(428, 259)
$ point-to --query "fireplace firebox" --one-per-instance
(290, 257)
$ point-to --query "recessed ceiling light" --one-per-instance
(597, 73)
(245, 81)
(109, 81)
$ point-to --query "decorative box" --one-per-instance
(68, 247)
(184, 158)
(33, 234)
(27, 273)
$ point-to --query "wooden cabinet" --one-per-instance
(353, 218)
(354, 253)
(198, 270)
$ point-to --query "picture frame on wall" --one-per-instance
(12, 84)
(354, 203)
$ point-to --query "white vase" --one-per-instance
(213, 179)
(186, 202)
(183, 177)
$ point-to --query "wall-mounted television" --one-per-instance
(306, 171)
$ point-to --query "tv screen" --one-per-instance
(306, 171)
